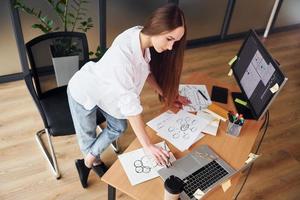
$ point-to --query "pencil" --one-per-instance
(169, 163)
(202, 95)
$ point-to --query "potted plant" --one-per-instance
(65, 59)
(72, 15)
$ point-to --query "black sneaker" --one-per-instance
(83, 172)
(100, 169)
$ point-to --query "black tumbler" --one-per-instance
(173, 188)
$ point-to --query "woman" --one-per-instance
(112, 86)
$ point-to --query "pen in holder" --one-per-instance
(235, 124)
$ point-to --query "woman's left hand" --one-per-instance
(181, 101)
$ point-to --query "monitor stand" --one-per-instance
(246, 112)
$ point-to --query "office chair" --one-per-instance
(51, 100)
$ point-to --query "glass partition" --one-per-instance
(204, 18)
(250, 14)
(9, 59)
(123, 14)
(289, 13)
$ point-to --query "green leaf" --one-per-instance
(59, 8)
(44, 19)
(50, 23)
(41, 27)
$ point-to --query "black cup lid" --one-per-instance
(174, 185)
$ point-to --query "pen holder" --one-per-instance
(233, 129)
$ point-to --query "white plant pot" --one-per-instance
(65, 68)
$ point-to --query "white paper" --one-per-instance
(264, 70)
(183, 130)
(199, 137)
(226, 185)
(213, 125)
(198, 194)
(140, 167)
(214, 114)
(251, 157)
(198, 102)
(275, 88)
(230, 72)
(159, 122)
(250, 80)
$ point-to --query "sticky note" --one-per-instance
(239, 101)
(198, 194)
(230, 72)
(217, 111)
(275, 88)
(248, 160)
(226, 185)
(251, 157)
(232, 60)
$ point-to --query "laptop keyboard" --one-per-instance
(203, 178)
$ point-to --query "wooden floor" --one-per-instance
(24, 173)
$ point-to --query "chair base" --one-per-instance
(115, 146)
(50, 156)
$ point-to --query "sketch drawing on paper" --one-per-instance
(140, 166)
(183, 128)
(192, 92)
(145, 164)
(160, 121)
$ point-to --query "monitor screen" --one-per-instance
(257, 75)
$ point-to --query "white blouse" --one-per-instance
(115, 82)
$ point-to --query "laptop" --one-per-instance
(202, 169)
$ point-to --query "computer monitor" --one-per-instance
(258, 76)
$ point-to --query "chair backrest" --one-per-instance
(40, 57)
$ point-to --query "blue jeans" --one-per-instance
(85, 126)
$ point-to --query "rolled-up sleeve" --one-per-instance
(130, 104)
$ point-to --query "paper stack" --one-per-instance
(217, 111)
(182, 129)
(212, 126)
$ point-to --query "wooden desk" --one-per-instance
(233, 150)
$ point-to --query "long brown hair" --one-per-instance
(167, 66)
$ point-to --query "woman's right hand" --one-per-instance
(160, 155)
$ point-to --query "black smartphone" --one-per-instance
(219, 94)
